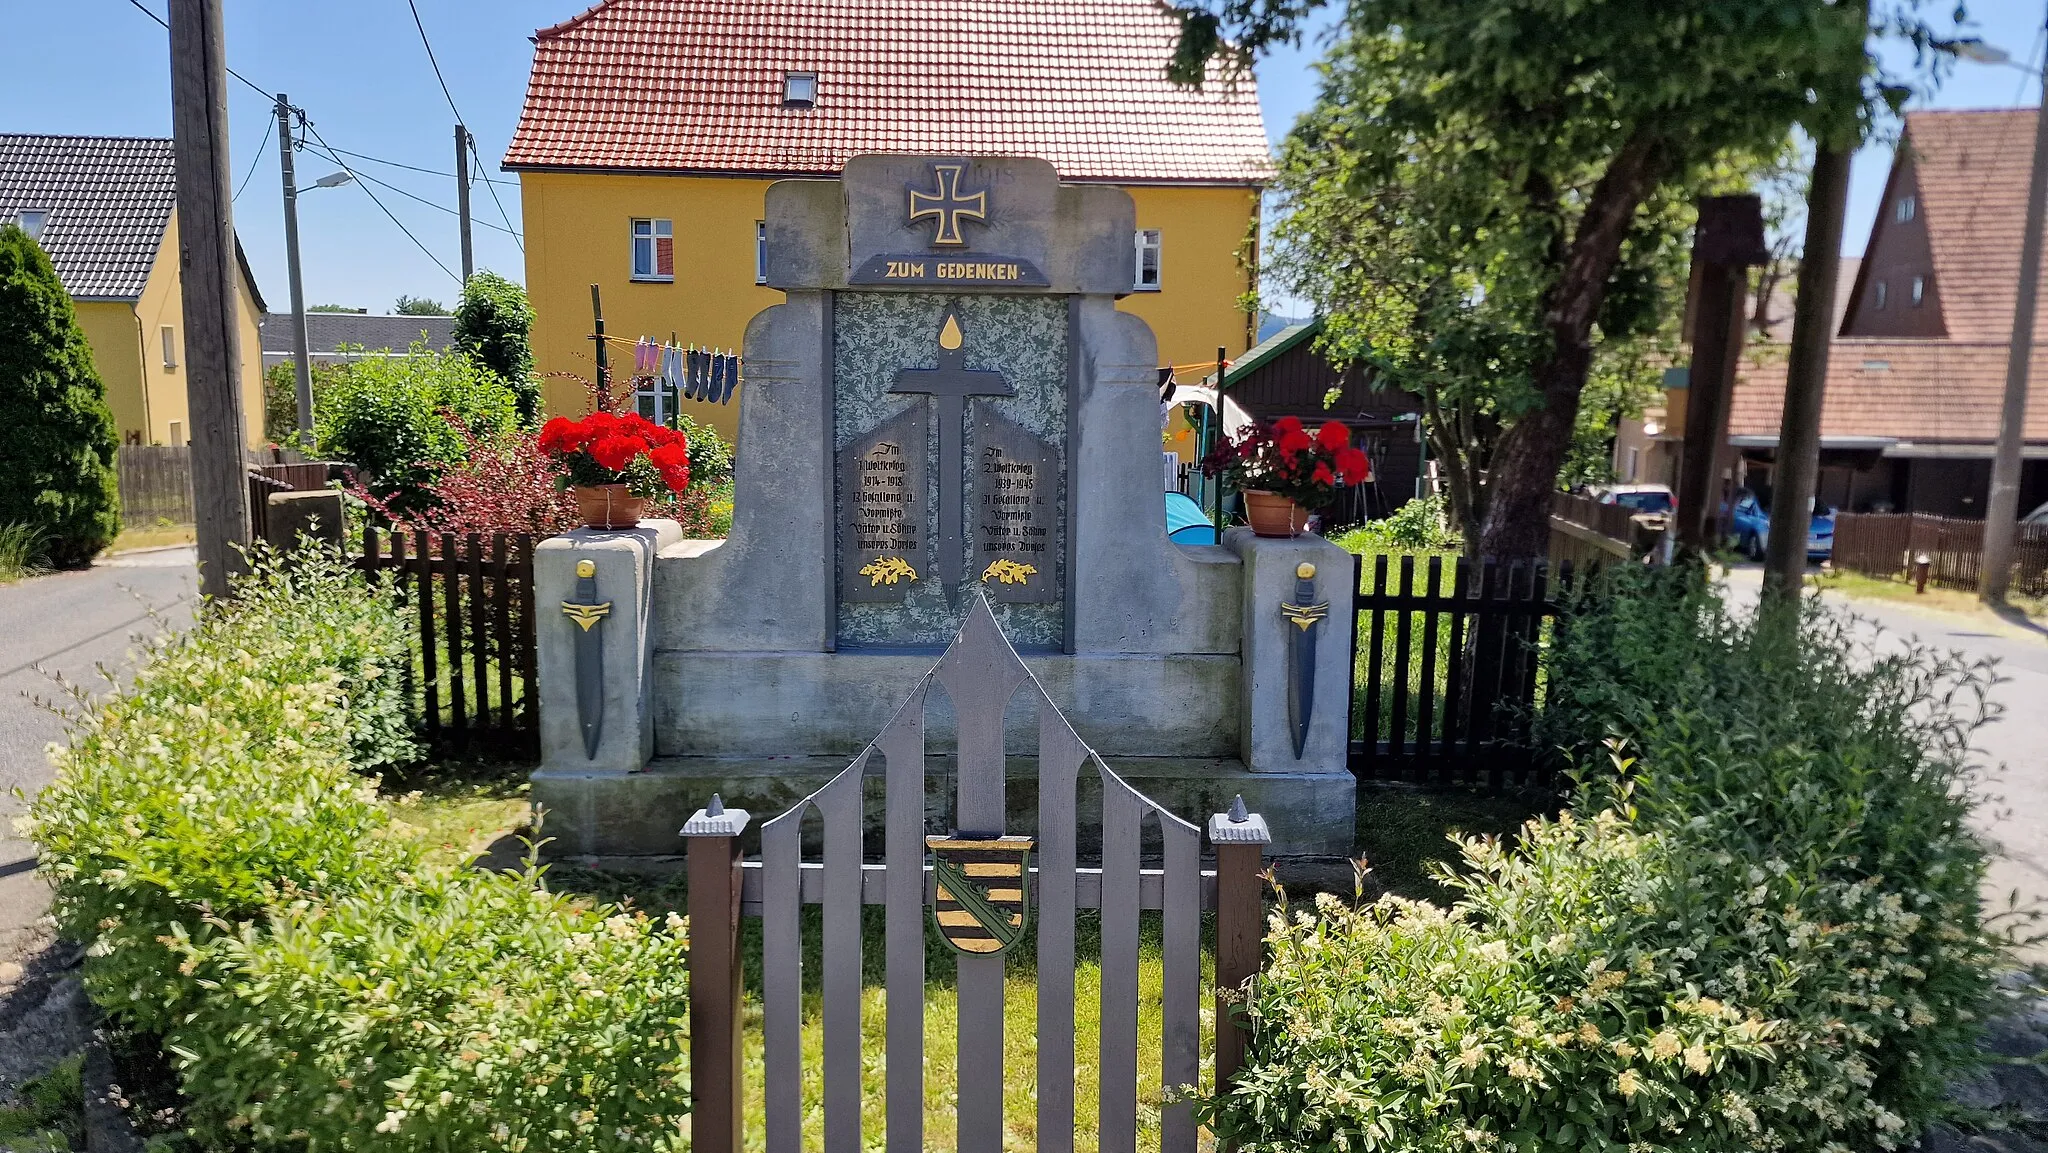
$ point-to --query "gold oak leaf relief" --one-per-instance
(1009, 572)
(887, 570)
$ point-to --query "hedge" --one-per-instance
(245, 897)
(1756, 927)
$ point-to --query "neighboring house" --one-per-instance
(338, 337)
(1916, 372)
(1286, 376)
(652, 129)
(104, 209)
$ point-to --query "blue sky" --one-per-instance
(359, 70)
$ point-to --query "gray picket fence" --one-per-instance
(979, 674)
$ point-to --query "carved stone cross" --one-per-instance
(949, 386)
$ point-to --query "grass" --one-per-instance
(49, 1111)
(1855, 584)
(1404, 832)
(456, 810)
(21, 550)
(162, 534)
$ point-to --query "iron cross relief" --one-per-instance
(949, 386)
(949, 206)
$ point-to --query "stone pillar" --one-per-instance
(621, 563)
(1272, 569)
(293, 514)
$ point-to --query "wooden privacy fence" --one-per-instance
(474, 657)
(1885, 545)
(1447, 676)
(978, 884)
(156, 481)
(1585, 532)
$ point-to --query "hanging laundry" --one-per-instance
(646, 358)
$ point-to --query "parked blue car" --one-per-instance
(1752, 525)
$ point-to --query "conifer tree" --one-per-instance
(57, 436)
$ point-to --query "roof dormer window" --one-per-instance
(799, 90)
(32, 221)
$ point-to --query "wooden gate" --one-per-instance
(977, 884)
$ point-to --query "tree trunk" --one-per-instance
(1526, 464)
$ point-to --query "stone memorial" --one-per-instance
(949, 403)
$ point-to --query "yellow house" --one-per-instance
(652, 129)
(104, 209)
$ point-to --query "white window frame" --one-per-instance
(651, 231)
(168, 337)
(1878, 291)
(760, 252)
(1144, 242)
(1906, 209)
(1919, 291)
(800, 89)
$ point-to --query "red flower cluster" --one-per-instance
(611, 442)
(1307, 467)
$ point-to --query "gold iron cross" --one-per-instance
(949, 205)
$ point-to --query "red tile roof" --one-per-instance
(696, 86)
(1972, 172)
(1914, 390)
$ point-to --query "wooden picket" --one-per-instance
(1446, 679)
(1887, 545)
(475, 655)
(978, 676)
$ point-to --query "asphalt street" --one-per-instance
(2014, 747)
(67, 628)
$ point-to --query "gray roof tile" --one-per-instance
(109, 199)
(328, 331)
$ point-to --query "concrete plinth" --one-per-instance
(613, 814)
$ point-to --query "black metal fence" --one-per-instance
(1447, 677)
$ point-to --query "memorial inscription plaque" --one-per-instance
(1016, 529)
(882, 547)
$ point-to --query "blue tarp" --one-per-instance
(1186, 523)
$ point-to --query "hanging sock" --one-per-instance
(732, 378)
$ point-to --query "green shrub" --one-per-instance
(390, 417)
(450, 1011)
(244, 894)
(493, 327)
(1766, 935)
(1417, 526)
(281, 397)
(184, 801)
(56, 434)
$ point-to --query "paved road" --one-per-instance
(70, 624)
(2014, 747)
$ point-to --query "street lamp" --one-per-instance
(335, 179)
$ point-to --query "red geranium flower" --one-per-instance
(615, 451)
(1323, 475)
(1333, 435)
(1292, 441)
(1354, 466)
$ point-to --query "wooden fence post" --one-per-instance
(713, 834)
(1240, 839)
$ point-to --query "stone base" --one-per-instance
(614, 814)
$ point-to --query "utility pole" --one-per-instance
(1727, 241)
(462, 199)
(206, 235)
(302, 362)
(1806, 375)
(2002, 509)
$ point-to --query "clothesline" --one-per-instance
(701, 374)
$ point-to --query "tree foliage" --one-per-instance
(400, 420)
(494, 326)
(419, 306)
(57, 437)
(1489, 190)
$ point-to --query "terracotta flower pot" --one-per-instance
(1271, 514)
(608, 505)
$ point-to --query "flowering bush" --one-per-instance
(243, 895)
(628, 449)
(1309, 469)
(1765, 936)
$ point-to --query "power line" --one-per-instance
(506, 216)
(429, 46)
(315, 134)
(270, 125)
(165, 25)
(402, 192)
(428, 171)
